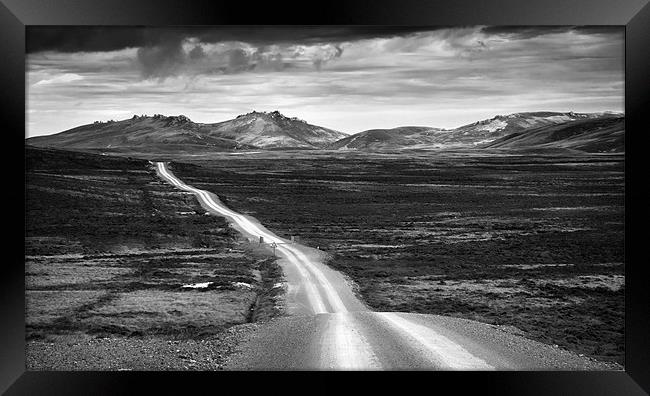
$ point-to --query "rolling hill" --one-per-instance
(272, 130)
(387, 138)
(470, 135)
(503, 125)
(161, 133)
(598, 135)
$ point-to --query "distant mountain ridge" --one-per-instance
(470, 135)
(605, 134)
(272, 130)
(158, 132)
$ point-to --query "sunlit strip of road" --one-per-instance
(345, 348)
(439, 348)
(292, 254)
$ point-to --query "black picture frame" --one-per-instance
(15, 15)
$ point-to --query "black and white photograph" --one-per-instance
(325, 197)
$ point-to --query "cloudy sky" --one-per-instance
(345, 78)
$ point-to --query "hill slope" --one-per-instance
(273, 130)
(470, 135)
(161, 133)
(387, 138)
(589, 135)
(138, 132)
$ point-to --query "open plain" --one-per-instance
(533, 243)
(123, 272)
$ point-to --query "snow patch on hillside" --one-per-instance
(493, 126)
(202, 285)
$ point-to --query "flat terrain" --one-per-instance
(341, 333)
(115, 257)
(530, 243)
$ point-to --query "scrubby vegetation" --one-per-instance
(110, 251)
(530, 241)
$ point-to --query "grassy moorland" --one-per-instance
(532, 242)
(109, 248)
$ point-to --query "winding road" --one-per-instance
(329, 328)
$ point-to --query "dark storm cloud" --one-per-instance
(524, 32)
(604, 30)
(81, 39)
(163, 59)
(237, 59)
(86, 38)
(160, 51)
(527, 32)
(197, 53)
